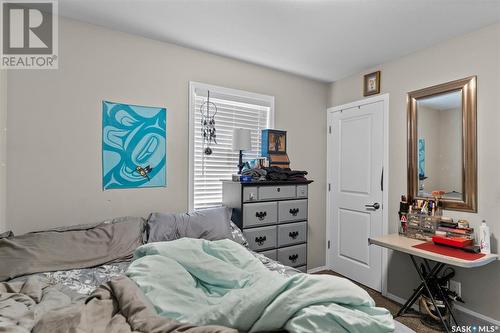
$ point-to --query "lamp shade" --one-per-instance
(242, 139)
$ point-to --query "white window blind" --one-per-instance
(210, 170)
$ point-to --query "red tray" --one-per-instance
(448, 251)
(459, 242)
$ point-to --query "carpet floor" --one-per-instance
(412, 319)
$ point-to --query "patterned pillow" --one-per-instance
(237, 235)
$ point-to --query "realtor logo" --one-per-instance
(29, 34)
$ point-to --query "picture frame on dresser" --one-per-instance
(273, 216)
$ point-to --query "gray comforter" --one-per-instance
(99, 299)
(49, 302)
(118, 305)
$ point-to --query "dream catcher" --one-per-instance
(208, 111)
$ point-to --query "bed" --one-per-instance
(99, 297)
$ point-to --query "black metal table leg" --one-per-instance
(442, 294)
(413, 298)
(409, 303)
(424, 281)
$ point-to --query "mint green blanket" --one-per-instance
(221, 282)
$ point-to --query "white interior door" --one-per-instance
(356, 180)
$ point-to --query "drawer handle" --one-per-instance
(294, 211)
(278, 189)
(293, 258)
(260, 240)
(261, 215)
(293, 234)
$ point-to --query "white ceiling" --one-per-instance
(447, 101)
(325, 40)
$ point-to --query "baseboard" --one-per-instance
(317, 269)
(400, 300)
(475, 315)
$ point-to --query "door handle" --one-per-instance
(373, 206)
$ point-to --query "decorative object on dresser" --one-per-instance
(273, 146)
(242, 140)
(273, 216)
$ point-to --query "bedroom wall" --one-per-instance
(54, 140)
(3, 148)
(450, 178)
(477, 53)
(428, 129)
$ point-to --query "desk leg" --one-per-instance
(413, 298)
(409, 303)
(441, 293)
(424, 281)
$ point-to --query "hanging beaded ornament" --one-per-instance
(208, 111)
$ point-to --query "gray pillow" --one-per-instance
(67, 248)
(210, 224)
(7, 234)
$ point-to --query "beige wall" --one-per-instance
(478, 54)
(442, 132)
(54, 145)
(450, 150)
(428, 129)
(3, 148)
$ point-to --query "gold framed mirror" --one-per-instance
(442, 144)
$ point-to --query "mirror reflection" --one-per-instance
(439, 129)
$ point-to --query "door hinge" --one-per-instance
(329, 187)
(330, 129)
(328, 244)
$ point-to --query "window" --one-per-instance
(235, 109)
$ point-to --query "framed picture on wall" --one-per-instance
(371, 85)
(133, 146)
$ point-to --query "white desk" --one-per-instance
(428, 278)
(404, 244)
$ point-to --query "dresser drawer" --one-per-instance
(250, 194)
(271, 254)
(301, 191)
(276, 192)
(293, 233)
(261, 238)
(294, 256)
(260, 213)
(292, 210)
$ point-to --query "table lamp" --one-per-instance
(241, 141)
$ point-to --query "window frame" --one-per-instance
(245, 95)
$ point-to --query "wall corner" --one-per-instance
(3, 150)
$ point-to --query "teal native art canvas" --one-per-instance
(133, 146)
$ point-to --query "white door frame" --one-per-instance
(385, 195)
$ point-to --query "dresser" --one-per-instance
(273, 217)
